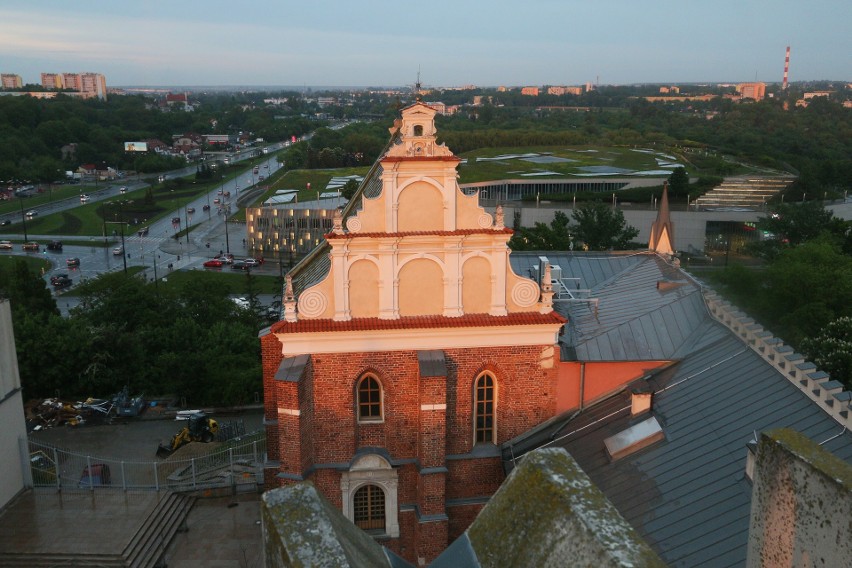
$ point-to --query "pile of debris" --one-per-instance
(54, 412)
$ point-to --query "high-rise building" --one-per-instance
(93, 85)
(10, 81)
(52, 81)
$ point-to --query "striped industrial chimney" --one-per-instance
(786, 69)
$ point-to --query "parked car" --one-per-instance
(251, 262)
(84, 198)
(118, 250)
(61, 281)
(205, 208)
(239, 265)
(72, 262)
(213, 263)
(54, 245)
(97, 474)
(5, 245)
(143, 232)
(34, 246)
(31, 213)
(122, 189)
(225, 259)
(56, 277)
(5, 222)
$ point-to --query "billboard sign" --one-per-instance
(135, 146)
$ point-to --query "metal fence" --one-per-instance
(238, 465)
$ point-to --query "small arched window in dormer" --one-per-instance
(418, 130)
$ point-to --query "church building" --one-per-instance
(409, 353)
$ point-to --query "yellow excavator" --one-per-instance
(199, 428)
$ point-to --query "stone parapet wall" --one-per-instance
(800, 504)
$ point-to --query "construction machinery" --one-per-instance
(199, 428)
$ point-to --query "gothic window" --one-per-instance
(369, 399)
(484, 401)
(368, 508)
(418, 130)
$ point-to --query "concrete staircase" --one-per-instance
(144, 550)
(743, 192)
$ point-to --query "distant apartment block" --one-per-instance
(530, 91)
(10, 81)
(52, 81)
(88, 85)
(667, 90)
(755, 91)
(557, 90)
(812, 94)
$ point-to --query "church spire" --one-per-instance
(662, 230)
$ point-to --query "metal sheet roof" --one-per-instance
(688, 495)
(646, 308)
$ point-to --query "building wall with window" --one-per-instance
(10, 81)
(394, 377)
(297, 228)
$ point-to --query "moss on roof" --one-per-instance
(548, 513)
(302, 528)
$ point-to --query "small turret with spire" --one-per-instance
(662, 230)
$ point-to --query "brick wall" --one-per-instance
(327, 430)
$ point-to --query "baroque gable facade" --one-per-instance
(392, 380)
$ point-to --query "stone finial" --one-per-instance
(338, 222)
(547, 290)
(289, 300)
(498, 218)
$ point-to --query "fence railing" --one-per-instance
(238, 465)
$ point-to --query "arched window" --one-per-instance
(368, 508)
(484, 401)
(369, 399)
(418, 130)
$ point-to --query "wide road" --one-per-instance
(156, 249)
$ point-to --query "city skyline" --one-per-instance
(375, 43)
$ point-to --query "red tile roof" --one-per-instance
(505, 230)
(420, 159)
(416, 322)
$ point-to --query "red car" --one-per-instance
(213, 263)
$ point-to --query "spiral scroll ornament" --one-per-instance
(353, 224)
(525, 293)
(484, 221)
(312, 303)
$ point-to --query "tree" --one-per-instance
(601, 227)
(679, 183)
(831, 350)
(349, 188)
(795, 223)
(555, 236)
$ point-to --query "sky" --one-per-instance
(452, 43)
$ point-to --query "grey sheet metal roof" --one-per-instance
(688, 495)
(635, 320)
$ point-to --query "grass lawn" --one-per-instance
(475, 170)
(35, 263)
(235, 282)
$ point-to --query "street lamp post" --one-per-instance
(227, 241)
(23, 218)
